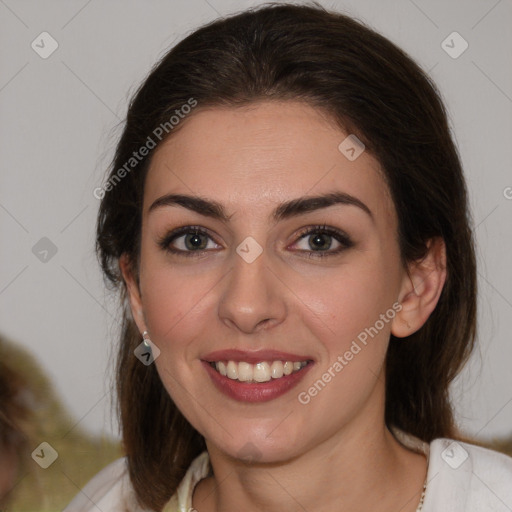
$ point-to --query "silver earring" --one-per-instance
(146, 340)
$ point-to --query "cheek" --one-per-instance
(170, 292)
(178, 306)
(343, 304)
(344, 314)
(177, 309)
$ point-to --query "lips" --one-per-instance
(244, 376)
(253, 357)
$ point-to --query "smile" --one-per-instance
(264, 371)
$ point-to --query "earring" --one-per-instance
(146, 340)
(151, 352)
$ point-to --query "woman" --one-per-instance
(286, 220)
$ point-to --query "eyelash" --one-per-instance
(165, 242)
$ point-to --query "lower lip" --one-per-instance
(255, 391)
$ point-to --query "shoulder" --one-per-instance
(468, 477)
(110, 489)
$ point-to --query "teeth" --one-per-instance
(232, 370)
(276, 370)
(245, 371)
(221, 367)
(260, 372)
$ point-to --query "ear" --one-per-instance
(421, 288)
(134, 294)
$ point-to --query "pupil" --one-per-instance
(193, 241)
(320, 241)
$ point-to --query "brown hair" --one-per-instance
(370, 88)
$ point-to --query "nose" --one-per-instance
(252, 296)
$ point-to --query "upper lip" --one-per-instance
(253, 357)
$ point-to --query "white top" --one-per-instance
(461, 477)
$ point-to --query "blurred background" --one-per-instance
(67, 71)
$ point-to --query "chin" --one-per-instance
(264, 450)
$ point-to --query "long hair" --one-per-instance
(370, 88)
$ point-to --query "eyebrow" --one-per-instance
(292, 208)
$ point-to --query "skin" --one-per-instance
(335, 453)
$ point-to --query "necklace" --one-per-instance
(419, 446)
(422, 498)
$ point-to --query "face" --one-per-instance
(265, 270)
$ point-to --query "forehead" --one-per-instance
(260, 155)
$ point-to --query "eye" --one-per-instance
(321, 241)
(187, 240)
(318, 241)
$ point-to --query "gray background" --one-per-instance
(59, 121)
